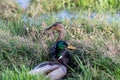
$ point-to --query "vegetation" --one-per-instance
(10, 10)
(21, 74)
(40, 7)
(23, 43)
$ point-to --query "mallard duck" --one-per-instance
(57, 68)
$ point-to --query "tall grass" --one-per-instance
(99, 68)
(19, 74)
(23, 42)
(10, 10)
(96, 57)
(40, 7)
(37, 7)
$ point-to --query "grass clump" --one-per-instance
(97, 45)
(15, 50)
(19, 74)
(9, 10)
(92, 64)
(40, 7)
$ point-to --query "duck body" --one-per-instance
(52, 70)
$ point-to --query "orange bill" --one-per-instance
(71, 47)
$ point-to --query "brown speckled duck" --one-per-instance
(57, 68)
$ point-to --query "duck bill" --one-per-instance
(51, 28)
(71, 47)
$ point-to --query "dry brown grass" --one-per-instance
(9, 10)
(104, 41)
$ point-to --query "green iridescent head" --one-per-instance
(61, 45)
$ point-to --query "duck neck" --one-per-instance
(59, 53)
(61, 35)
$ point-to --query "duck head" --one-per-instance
(59, 52)
(58, 26)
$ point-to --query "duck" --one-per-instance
(59, 54)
